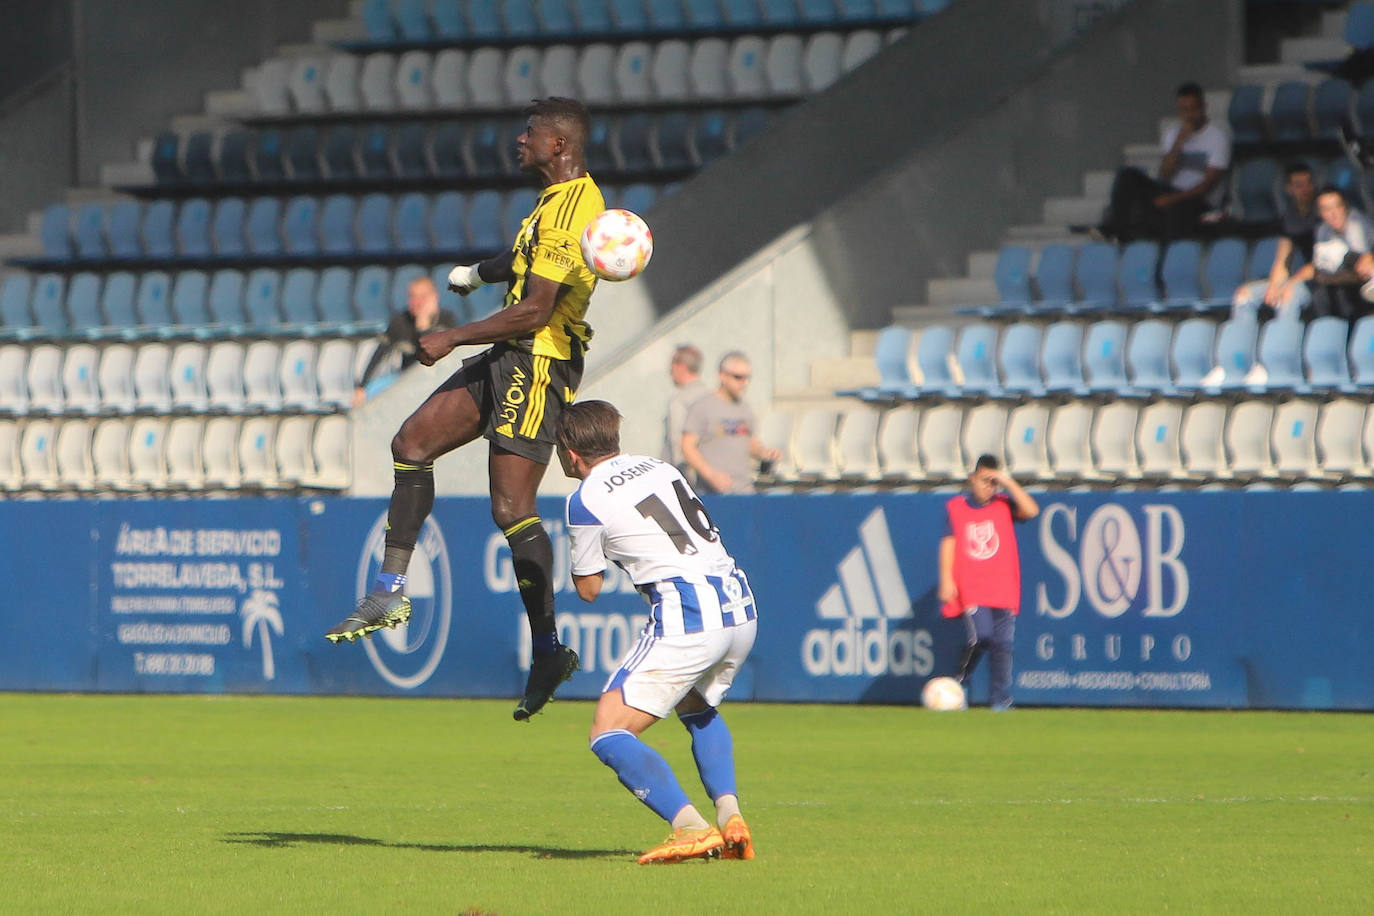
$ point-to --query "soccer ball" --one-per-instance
(943, 694)
(617, 244)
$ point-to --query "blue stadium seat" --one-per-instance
(14, 302)
(517, 206)
(446, 222)
(1280, 353)
(705, 15)
(156, 230)
(410, 225)
(1288, 120)
(1062, 358)
(89, 232)
(1364, 108)
(1104, 358)
(484, 150)
(303, 154)
(1328, 366)
(1261, 258)
(263, 228)
(299, 222)
(378, 22)
(193, 228)
(555, 17)
(1054, 277)
(484, 223)
(232, 161)
(485, 301)
(117, 301)
(167, 158)
(121, 229)
(370, 292)
(933, 352)
(1342, 175)
(1361, 352)
(374, 224)
(861, 10)
(741, 14)
(664, 15)
(600, 160)
(749, 123)
(334, 299)
(1147, 358)
(227, 228)
(519, 18)
(1012, 274)
(409, 157)
(298, 299)
(336, 224)
(897, 11)
(340, 153)
(1181, 274)
(1018, 359)
(55, 232)
(191, 299)
(225, 301)
(1246, 115)
(446, 151)
(890, 358)
(401, 279)
(1224, 272)
(153, 303)
(1359, 25)
(412, 20)
(1235, 354)
(1136, 275)
(638, 198)
(449, 22)
(627, 16)
(448, 299)
(1332, 101)
(49, 292)
(672, 133)
(484, 19)
(1255, 184)
(198, 165)
(818, 12)
(977, 356)
(268, 164)
(83, 304)
(781, 13)
(710, 136)
(375, 153)
(1095, 275)
(1191, 353)
(630, 140)
(262, 299)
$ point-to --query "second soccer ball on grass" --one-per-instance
(617, 244)
(943, 694)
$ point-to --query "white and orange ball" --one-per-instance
(943, 694)
(617, 244)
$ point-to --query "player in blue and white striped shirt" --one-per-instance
(640, 513)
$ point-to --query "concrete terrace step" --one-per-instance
(982, 265)
(1098, 183)
(1273, 74)
(1074, 211)
(329, 31)
(961, 291)
(228, 103)
(1333, 25)
(1039, 235)
(1301, 50)
(918, 316)
(1145, 156)
(20, 246)
(863, 342)
(190, 123)
(118, 174)
(843, 372)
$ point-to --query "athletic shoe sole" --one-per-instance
(682, 847)
(392, 619)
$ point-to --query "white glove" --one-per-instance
(464, 279)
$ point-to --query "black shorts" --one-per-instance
(520, 396)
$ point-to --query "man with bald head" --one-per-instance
(510, 394)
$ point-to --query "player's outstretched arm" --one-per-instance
(524, 317)
(465, 278)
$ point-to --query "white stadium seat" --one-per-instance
(632, 73)
(449, 78)
(706, 70)
(938, 439)
(1028, 455)
(558, 71)
(80, 373)
(414, 80)
(341, 83)
(520, 81)
(44, 380)
(897, 453)
(306, 84)
(378, 82)
(595, 74)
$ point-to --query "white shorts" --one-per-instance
(659, 671)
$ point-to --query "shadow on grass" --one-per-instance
(269, 840)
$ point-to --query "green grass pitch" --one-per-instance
(161, 804)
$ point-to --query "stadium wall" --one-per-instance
(1186, 599)
(935, 146)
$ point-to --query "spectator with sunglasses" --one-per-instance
(718, 438)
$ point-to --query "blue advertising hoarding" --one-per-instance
(1206, 599)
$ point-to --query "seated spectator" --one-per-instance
(422, 315)
(1342, 265)
(1283, 291)
(1197, 155)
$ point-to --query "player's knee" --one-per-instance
(404, 448)
(506, 511)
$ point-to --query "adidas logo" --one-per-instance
(870, 592)
(506, 429)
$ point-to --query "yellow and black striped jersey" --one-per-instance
(549, 245)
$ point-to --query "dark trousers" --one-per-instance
(990, 630)
(1132, 213)
(1343, 300)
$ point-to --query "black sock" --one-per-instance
(411, 502)
(531, 554)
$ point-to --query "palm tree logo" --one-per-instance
(260, 613)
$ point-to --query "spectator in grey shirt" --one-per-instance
(685, 371)
(718, 439)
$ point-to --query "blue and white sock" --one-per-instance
(714, 750)
(643, 771)
(388, 583)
